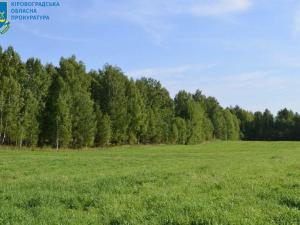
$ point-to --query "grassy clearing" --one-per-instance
(217, 183)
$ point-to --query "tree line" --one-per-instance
(66, 106)
(264, 126)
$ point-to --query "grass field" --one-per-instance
(216, 183)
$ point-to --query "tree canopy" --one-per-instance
(67, 106)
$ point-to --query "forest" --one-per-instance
(66, 106)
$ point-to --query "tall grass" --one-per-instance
(214, 183)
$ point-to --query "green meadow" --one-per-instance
(214, 183)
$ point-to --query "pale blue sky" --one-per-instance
(244, 52)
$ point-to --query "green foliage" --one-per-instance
(38, 81)
(195, 123)
(181, 104)
(83, 120)
(245, 121)
(174, 134)
(11, 65)
(182, 130)
(10, 106)
(136, 113)
(28, 124)
(65, 106)
(62, 119)
(159, 111)
(103, 132)
(232, 126)
(79, 104)
(208, 128)
(219, 123)
(192, 109)
(284, 124)
(114, 102)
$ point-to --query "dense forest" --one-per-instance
(66, 106)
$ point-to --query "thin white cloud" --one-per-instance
(237, 84)
(59, 38)
(257, 80)
(164, 8)
(297, 22)
(286, 60)
(222, 7)
(156, 16)
(176, 71)
(55, 37)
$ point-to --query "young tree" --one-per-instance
(296, 128)
(174, 134)
(58, 121)
(81, 105)
(245, 122)
(232, 126)
(10, 99)
(284, 124)
(207, 123)
(47, 112)
(268, 126)
(114, 102)
(28, 124)
(83, 120)
(219, 123)
(195, 123)
(136, 113)
(182, 130)
(62, 123)
(181, 104)
(38, 81)
(12, 66)
(159, 108)
(103, 132)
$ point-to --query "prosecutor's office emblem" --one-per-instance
(4, 24)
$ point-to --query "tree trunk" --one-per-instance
(4, 133)
(57, 136)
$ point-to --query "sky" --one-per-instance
(243, 52)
